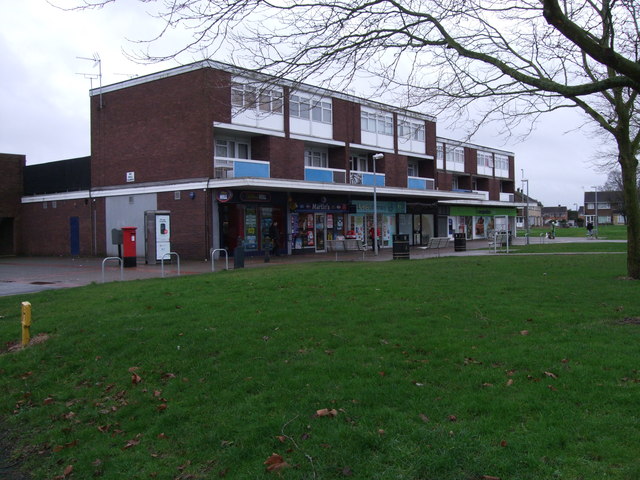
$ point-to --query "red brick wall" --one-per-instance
(395, 169)
(190, 223)
(11, 167)
(346, 121)
(160, 130)
(285, 155)
(46, 230)
(470, 160)
(430, 138)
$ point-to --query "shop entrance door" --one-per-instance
(320, 231)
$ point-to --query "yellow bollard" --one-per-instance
(26, 323)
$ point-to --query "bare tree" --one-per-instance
(521, 58)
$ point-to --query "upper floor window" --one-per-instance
(440, 156)
(414, 130)
(502, 164)
(455, 159)
(381, 123)
(314, 157)
(412, 168)
(301, 106)
(232, 148)
(485, 159)
(265, 98)
(358, 162)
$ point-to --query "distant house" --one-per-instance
(608, 206)
(558, 214)
(534, 212)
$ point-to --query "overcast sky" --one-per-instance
(44, 96)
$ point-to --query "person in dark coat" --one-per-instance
(274, 234)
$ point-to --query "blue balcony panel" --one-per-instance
(251, 169)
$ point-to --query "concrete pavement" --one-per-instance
(21, 275)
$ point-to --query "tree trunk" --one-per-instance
(629, 166)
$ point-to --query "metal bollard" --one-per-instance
(26, 323)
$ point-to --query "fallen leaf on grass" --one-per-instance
(550, 375)
(275, 463)
(135, 379)
(325, 412)
(490, 477)
(133, 442)
(424, 418)
(524, 332)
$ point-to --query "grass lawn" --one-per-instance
(510, 367)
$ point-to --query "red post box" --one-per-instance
(129, 246)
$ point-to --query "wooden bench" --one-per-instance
(346, 245)
(436, 243)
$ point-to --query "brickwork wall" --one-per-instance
(285, 155)
(11, 167)
(346, 121)
(190, 223)
(160, 130)
(46, 231)
(395, 169)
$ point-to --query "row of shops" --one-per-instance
(305, 222)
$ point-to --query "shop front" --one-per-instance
(360, 221)
(247, 217)
(315, 220)
(479, 222)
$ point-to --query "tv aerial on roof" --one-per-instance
(97, 62)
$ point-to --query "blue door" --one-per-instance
(74, 236)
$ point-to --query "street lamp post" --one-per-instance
(377, 156)
(596, 223)
(526, 209)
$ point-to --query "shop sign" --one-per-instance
(253, 197)
(470, 211)
(224, 196)
(321, 207)
(389, 208)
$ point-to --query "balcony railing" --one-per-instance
(236, 168)
(507, 197)
(366, 178)
(325, 175)
(421, 183)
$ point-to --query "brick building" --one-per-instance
(226, 152)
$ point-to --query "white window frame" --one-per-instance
(413, 168)
(376, 122)
(411, 130)
(440, 155)
(455, 159)
(233, 148)
(358, 162)
(316, 157)
(265, 99)
(308, 108)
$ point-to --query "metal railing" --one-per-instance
(169, 254)
(213, 251)
(113, 258)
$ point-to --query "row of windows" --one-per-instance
(377, 123)
(407, 129)
(270, 100)
(485, 159)
(307, 108)
(267, 100)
